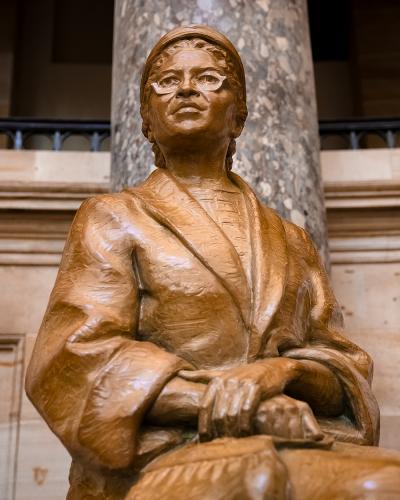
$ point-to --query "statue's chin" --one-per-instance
(190, 131)
(189, 124)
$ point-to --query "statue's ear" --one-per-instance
(150, 135)
(240, 119)
(237, 127)
(146, 128)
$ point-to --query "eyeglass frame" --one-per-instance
(157, 89)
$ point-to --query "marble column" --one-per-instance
(278, 152)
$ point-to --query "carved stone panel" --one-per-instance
(11, 387)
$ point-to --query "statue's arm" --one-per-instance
(178, 403)
(317, 385)
(88, 377)
(326, 346)
(237, 399)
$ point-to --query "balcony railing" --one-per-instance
(360, 134)
(19, 130)
(345, 134)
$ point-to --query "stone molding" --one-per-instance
(47, 195)
(371, 194)
(363, 215)
(363, 221)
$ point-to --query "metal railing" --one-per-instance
(356, 133)
(18, 130)
(350, 134)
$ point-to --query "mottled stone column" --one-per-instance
(278, 152)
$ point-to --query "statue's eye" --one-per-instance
(168, 82)
(166, 85)
(209, 81)
(208, 78)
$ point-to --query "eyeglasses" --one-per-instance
(208, 81)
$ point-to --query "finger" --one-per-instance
(222, 423)
(295, 426)
(237, 398)
(311, 429)
(203, 376)
(217, 414)
(279, 421)
(262, 418)
(249, 406)
(205, 413)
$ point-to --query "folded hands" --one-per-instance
(249, 399)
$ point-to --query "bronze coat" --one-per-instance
(148, 285)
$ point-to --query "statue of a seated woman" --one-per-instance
(191, 348)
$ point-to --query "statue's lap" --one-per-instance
(253, 468)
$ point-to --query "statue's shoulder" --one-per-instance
(292, 231)
(126, 205)
(107, 209)
(297, 238)
(295, 233)
(301, 243)
(105, 202)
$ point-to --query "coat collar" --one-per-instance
(269, 265)
(170, 204)
(167, 201)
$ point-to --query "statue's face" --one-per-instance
(191, 98)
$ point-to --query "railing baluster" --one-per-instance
(57, 141)
(95, 142)
(18, 140)
(354, 143)
(390, 139)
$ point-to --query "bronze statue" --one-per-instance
(191, 348)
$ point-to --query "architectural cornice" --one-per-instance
(37, 210)
(47, 196)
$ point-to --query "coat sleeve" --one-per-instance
(323, 342)
(88, 377)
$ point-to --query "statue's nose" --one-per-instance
(187, 88)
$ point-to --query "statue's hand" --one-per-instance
(288, 418)
(233, 395)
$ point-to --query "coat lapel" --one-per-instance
(269, 265)
(169, 203)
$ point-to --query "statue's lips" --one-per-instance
(187, 108)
